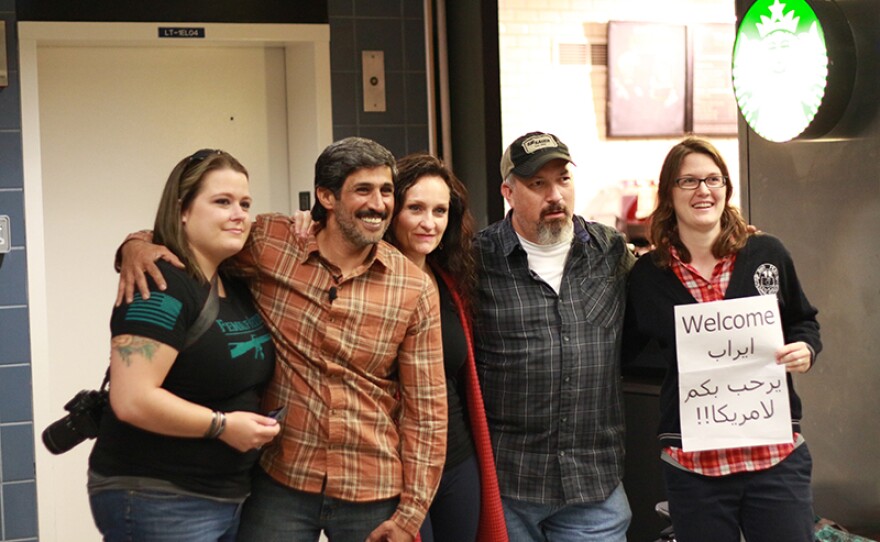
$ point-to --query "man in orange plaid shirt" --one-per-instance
(359, 363)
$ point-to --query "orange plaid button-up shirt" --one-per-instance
(361, 370)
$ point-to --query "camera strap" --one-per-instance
(206, 317)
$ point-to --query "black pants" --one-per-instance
(773, 505)
(455, 512)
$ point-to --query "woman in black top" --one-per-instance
(433, 227)
(173, 456)
(703, 253)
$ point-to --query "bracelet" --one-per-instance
(213, 427)
(218, 425)
(222, 426)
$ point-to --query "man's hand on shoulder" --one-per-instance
(389, 531)
(138, 258)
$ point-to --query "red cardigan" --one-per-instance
(492, 527)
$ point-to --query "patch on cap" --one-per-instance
(533, 144)
(525, 156)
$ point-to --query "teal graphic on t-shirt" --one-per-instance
(255, 343)
(245, 335)
(160, 310)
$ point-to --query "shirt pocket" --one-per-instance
(602, 300)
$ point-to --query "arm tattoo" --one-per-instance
(129, 345)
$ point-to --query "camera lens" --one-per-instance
(61, 436)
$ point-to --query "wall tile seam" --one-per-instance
(387, 17)
(371, 18)
(17, 482)
(370, 126)
(402, 71)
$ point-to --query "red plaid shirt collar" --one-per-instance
(732, 460)
(702, 289)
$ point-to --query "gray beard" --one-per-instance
(557, 231)
(355, 236)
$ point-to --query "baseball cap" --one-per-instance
(525, 156)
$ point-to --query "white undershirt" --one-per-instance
(547, 261)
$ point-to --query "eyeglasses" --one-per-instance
(692, 183)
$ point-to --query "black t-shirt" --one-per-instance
(459, 444)
(226, 370)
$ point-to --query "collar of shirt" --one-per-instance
(701, 288)
(379, 255)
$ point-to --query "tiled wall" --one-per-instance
(18, 508)
(397, 28)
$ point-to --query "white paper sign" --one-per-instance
(731, 391)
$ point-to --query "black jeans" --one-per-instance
(455, 511)
(773, 505)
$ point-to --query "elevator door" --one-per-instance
(113, 122)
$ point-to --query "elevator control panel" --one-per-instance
(5, 235)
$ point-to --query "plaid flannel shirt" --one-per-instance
(361, 370)
(550, 365)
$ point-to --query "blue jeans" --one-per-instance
(773, 505)
(605, 521)
(277, 513)
(455, 510)
(155, 516)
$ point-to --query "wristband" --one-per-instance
(213, 427)
(218, 425)
(222, 426)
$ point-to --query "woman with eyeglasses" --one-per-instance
(174, 453)
(703, 252)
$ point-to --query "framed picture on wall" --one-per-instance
(713, 103)
(647, 79)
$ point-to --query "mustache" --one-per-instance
(371, 214)
(557, 208)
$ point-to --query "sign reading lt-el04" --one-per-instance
(195, 32)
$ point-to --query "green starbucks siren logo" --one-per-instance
(780, 67)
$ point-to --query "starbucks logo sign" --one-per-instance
(780, 68)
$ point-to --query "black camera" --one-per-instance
(86, 409)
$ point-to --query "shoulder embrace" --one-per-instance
(272, 224)
(176, 278)
(762, 239)
(614, 239)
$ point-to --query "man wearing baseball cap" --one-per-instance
(549, 323)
